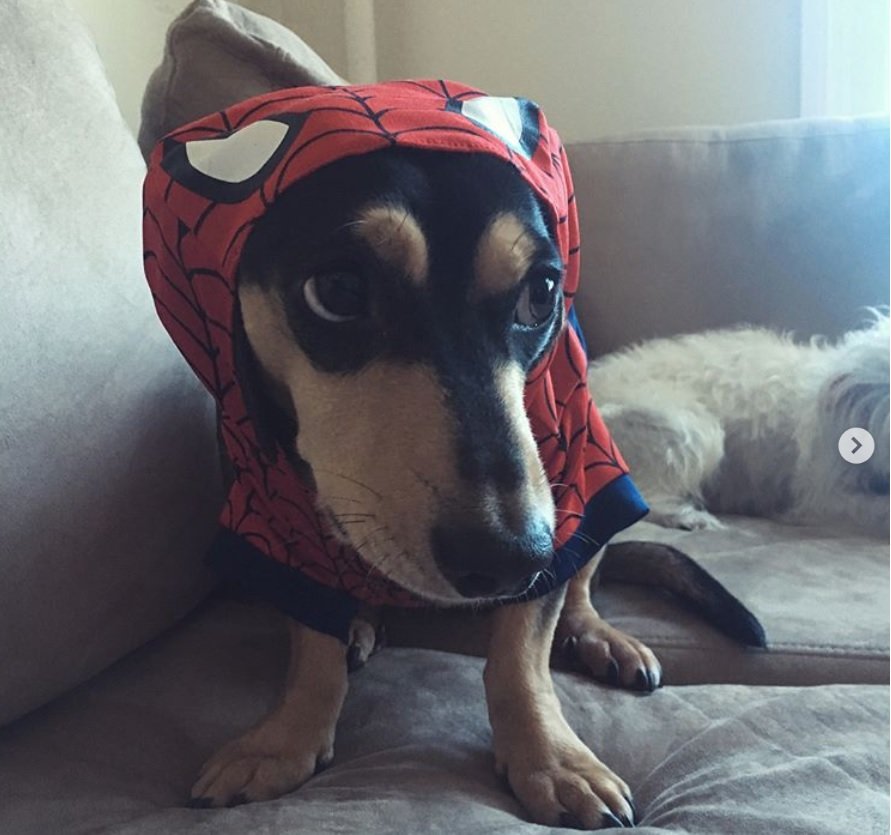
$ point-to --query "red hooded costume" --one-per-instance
(209, 182)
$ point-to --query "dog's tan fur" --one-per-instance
(536, 492)
(503, 255)
(394, 234)
(549, 768)
(365, 486)
(401, 404)
(402, 408)
(600, 649)
(286, 748)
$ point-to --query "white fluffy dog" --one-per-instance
(748, 421)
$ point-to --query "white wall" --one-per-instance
(129, 35)
(596, 66)
(607, 66)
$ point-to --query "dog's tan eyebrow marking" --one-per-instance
(503, 255)
(395, 235)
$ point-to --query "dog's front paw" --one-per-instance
(265, 763)
(564, 784)
(607, 654)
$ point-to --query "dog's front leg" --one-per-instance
(294, 741)
(552, 772)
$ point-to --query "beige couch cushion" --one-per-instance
(822, 598)
(782, 224)
(216, 54)
(107, 451)
(413, 751)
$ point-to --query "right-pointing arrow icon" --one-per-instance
(856, 445)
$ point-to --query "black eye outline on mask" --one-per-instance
(337, 295)
(537, 300)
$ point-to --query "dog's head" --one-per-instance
(858, 396)
(392, 305)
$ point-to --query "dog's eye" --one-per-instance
(536, 302)
(337, 296)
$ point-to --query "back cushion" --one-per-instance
(109, 483)
(780, 223)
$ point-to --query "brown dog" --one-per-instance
(358, 459)
(388, 308)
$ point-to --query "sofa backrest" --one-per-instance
(109, 482)
(782, 224)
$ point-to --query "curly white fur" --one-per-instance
(747, 421)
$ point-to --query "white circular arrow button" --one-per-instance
(856, 445)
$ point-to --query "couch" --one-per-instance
(123, 665)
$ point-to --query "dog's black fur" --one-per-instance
(309, 232)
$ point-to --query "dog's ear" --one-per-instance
(274, 422)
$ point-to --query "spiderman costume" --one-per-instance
(207, 185)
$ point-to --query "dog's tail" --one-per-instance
(655, 564)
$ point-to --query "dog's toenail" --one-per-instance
(641, 680)
(200, 802)
(569, 647)
(354, 658)
(631, 805)
(612, 672)
(570, 821)
(610, 821)
(237, 800)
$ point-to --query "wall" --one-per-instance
(598, 67)
(129, 35)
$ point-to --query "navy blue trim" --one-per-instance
(616, 507)
(576, 326)
(309, 602)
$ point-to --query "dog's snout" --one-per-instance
(480, 562)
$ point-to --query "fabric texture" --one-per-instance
(413, 748)
(209, 182)
(217, 54)
(781, 224)
(109, 475)
(821, 596)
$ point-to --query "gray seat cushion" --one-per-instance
(822, 598)
(109, 485)
(413, 750)
(783, 224)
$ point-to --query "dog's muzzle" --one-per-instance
(482, 563)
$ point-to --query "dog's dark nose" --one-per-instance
(479, 562)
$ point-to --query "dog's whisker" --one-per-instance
(353, 481)
(367, 539)
(376, 567)
(342, 499)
